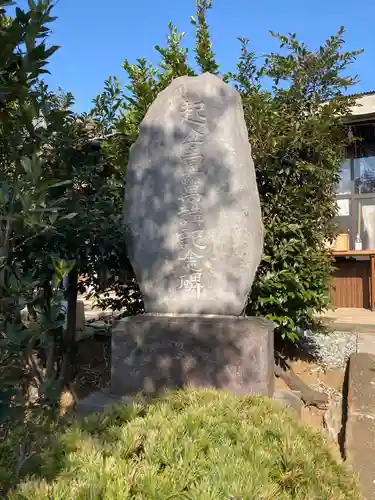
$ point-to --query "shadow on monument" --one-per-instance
(223, 187)
(194, 260)
(152, 353)
(192, 335)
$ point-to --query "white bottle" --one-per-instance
(358, 243)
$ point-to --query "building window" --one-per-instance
(364, 175)
(345, 183)
(366, 222)
(356, 188)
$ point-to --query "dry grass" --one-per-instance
(198, 445)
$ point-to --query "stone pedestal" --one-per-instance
(154, 352)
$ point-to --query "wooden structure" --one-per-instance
(353, 283)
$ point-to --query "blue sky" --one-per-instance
(96, 36)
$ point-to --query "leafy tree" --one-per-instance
(60, 205)
(298, 139)
(205, 57)
(26, 213)
(106, 106)
(61, 183)
(294, 103)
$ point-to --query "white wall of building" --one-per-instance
(365, 106)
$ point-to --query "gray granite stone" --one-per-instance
(359, 419)
(192, 211)
(333, 418)
(95, 403)
(155, 352)
(289, 399)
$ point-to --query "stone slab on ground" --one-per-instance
(99, 402)
(155, 352)
(360, 424)
(90, 331)
(289, 399)
(332, 418)
(92, 315)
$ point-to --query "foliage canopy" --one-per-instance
(294, 102)
(61, 184)
(61, 196)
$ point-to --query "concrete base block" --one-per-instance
(156, 352)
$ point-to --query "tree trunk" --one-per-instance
(69, 342)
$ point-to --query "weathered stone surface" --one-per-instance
(289, 399)
(154, 352)
(333, 419)
(99, 402)
(361, 389)
(360, 420)
(192, 210)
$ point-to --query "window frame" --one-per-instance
(354, 197)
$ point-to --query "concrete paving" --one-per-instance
(350, 319)
(359, 321)
(351, 315)
(366, 343)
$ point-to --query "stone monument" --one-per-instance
(194, 234)
(192, 210)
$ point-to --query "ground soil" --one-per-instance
(94, 371)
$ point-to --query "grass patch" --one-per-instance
(198, 445)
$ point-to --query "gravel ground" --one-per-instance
(331, 350)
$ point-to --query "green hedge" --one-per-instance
(198, 445)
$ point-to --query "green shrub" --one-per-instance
(196, 445)
(294, 101)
